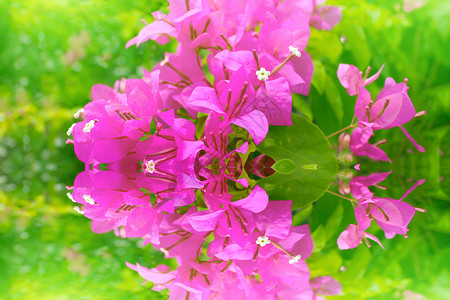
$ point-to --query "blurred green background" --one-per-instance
(52, 52)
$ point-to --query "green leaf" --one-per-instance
(319, 237)
(319, 76)
(301, 215)
(324, 264)
(308, 149)
(284, 166)
(334, 222)
(302, 106)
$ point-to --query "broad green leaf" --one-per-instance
(302, 106)
(284, 166)
(319, 237)
(319, 76)
(325, 43)
(324, 264)
(306, 146)
(334, 222)
(301, 215)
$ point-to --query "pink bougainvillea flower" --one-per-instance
(326, 17)
(236, 219)
(351, 78)
(392, 216)
(326, 286)
(234, 103)
(392, 107)
(360, 146)
(359, 185)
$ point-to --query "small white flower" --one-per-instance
(79, 113)
(150, 166)
(89, 199)
(78, 209)
(263, 240)
(69, 195)
(294, 51)
(89, 125)
(295, 259)
(263, 74)
(70, 130)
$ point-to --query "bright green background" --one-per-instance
(52, 52)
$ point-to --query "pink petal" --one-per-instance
(256, 124)
(276, 219)
(255, 202)
(373, 238)
(274, 99)
(326, 17)
(102, 92)
(419, 182)
(204, 99)
(418, 147)
(154, 30)
(374, 76)
(362, 103)
(349, 238)
(140, 98)
(204, 221)
(103, 226)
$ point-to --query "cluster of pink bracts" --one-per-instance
(165, 154)
(391, 108)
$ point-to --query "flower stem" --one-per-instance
(343, 129)
(343, 197)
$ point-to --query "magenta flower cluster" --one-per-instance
(392, 108)
(166, 156)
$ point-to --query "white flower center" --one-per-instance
(79, 113)
(263, 74)
(78, 209)
(89, 199)
(295, 259)
(294, 51)
(150, 166)
(263, 240)
(70, 130)
(89, 125)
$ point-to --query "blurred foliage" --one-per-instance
(52, 52)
